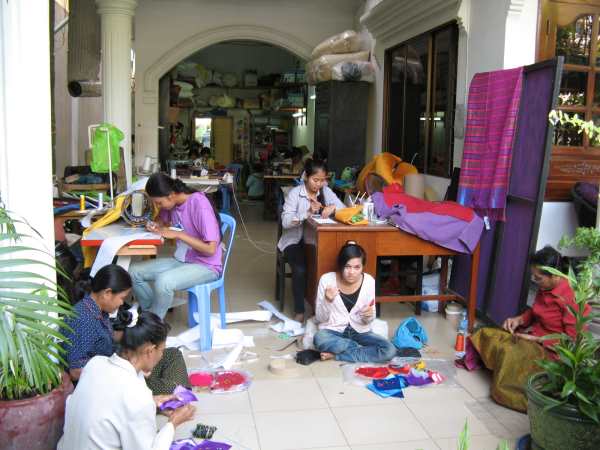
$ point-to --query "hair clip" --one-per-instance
(351, 243)
(135, 315)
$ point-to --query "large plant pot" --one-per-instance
(34, 423)
(559, 428)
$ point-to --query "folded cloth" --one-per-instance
(445, 231)
(212, 445)
(372, 372)
(394, 195)
(183, 444)
(388, 387)
(492, 113)
(417, 378)
(351, 216)
(184, 396)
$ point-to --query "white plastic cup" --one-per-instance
(173, 173)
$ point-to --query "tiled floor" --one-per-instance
(317, 410)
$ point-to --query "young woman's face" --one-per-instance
(353, 270)
(151, 355)
(110, 301)
(316, 181)
(544, 281)
(167, 202)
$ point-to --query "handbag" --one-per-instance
(410, 333)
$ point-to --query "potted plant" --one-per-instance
(33, 385)
(564, 399)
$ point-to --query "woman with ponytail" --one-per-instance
(190, 219)
(111, 406)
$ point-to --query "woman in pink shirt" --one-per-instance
(190, 219)
(345, 309)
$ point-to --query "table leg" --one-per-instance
(472, 300)
(443, 283)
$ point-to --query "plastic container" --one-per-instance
(454, 314)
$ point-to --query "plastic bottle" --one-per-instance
(461, 336)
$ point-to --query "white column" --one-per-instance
(25, 133)
(116, 21)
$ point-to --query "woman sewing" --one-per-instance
(111, 406)
(345, 310)
(190, 219)
(511, 352)
(91, 332)
(311, 197)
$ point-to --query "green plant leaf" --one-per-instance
(464, 438)
(589, 411)
(568, 389)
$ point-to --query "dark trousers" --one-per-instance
(296, 258)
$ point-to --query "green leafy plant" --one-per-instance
(574, 378)
(464, 440)
(31, 306)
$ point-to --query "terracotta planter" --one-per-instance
(34, 423)
(559, 428)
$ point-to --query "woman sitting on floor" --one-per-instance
(511, 353)
(345, 309)
(190, 218)
(111, 406)
(92, 333)
(311, 197)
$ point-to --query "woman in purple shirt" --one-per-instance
(190, 219)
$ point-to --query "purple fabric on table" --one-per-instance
(445, 231)
(212, 445)
(184, 396)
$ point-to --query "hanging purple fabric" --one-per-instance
(492, 112)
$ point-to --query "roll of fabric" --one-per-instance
(414, 184)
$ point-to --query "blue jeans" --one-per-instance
(352, 346)
(169, 275)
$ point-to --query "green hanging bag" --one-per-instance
(100, 148)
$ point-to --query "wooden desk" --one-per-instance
(140, 247)
(323, 243)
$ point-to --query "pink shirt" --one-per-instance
(197, 218)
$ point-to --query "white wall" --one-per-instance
(162, 28)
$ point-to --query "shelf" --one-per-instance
(257, 88)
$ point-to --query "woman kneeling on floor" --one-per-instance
(345, 309)
(511, 353)
(111, 406)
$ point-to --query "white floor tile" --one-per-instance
(340, 394)
(236, 402)
(286, 395)
(308, 429)
(237, 430)
(411, 445)
(386, 423)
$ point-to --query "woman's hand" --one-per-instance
(181, 415)
(331, 293)
(315, 206)
(152, 227)
(160, 399)
(512, 323)
(167, 233)
(367, 313)
(327, 211)
(529, 337)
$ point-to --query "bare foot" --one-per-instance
(327, 356)
(299, 317)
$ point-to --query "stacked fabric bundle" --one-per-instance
(341, 57)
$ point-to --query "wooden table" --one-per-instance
(140, 247)
(272, 183)
(323, 243)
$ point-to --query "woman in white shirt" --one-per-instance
(345, 309)
(111, 407)
(311, 197)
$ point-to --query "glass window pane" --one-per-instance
(573, 89)
(439, 148)
(567, 135)
(415, 123)
(573, 41)
(396, 101)
(597, 89)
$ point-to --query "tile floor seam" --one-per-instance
(254, 421)
(420, 423)
(332, 413)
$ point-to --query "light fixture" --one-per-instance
(313, 97)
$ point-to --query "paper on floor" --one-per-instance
(286, 325)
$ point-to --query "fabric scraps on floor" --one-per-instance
(391, 380)
(189, 444)
(221, 381)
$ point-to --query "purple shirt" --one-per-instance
(197, 218)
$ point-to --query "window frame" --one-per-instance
(430, 102)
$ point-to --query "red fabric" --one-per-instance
(201, 379)
(549, 313)
(373, 372)
(394, 195)
(228, 380)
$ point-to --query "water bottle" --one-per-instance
(464, 323)
(461, 336)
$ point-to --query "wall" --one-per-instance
(163, 32)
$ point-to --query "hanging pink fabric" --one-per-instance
(492, 112)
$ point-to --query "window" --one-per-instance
(420, 98)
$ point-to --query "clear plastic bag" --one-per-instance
(353, 71)
(348, 41)
(320, 69)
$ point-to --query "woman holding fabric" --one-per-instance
(190, 218)
(311, 197)
(91, 332)
(111, 406)
(511, 352)
(345, 309)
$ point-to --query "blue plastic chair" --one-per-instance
(199, 296)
